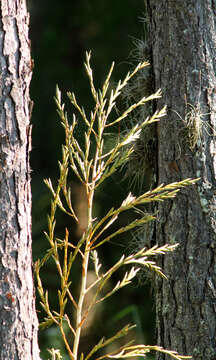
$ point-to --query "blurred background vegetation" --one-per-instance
(61, 32)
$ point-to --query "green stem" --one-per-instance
(85, 263)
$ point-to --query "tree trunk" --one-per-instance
(18, 320)
(184, 66)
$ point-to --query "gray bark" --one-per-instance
(18, 320)
(183, 39)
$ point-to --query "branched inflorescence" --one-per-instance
(93, 164)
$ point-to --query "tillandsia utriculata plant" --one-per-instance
(93, 164)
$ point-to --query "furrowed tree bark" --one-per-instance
(18, 320)
(183, 39)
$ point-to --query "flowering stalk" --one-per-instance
(92, 164)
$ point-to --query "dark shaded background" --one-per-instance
(61, 32)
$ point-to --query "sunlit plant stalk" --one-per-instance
(92, 164)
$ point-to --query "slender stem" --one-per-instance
(66, 342)
(80, 304)
(85, 261)
(83, 283)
